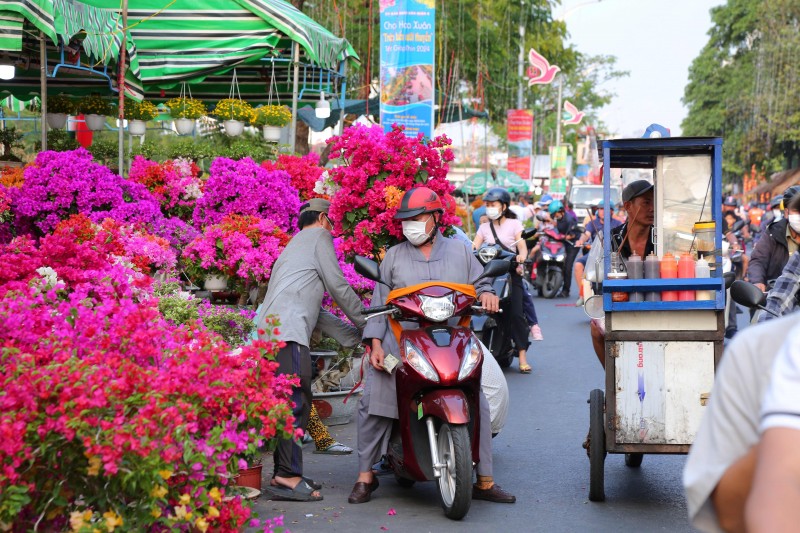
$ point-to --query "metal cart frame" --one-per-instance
(687, 331)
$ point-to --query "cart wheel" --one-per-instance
(597, 446)
(634, 460)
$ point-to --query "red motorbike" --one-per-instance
(437, 433)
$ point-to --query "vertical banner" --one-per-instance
(407, 59)
(520, 137)
(558, 171)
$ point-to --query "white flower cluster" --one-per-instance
(48, 281)
(325, 185)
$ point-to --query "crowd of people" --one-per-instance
(740, 457)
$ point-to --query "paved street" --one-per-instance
(538, 457)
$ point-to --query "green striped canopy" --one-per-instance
(198, 42)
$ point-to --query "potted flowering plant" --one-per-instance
(137, 114)
(272, 118)
(95, 109)
(176, 183)
(376, 170)
(185, 111)
(59, 106)
(234, 113)
(241, 246)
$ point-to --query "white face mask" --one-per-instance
(777, 214)
(414, 231)
(493, 213)
(794, 222)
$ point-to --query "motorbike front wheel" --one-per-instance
(552, 283)
(455, 481)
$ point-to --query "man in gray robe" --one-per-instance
(425, 256)
(306, 268)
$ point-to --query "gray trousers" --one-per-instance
(374, 433)
(294, 359)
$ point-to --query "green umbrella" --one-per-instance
(510, 181)
(477, 184)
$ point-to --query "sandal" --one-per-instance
(525, 369)
(302, 492)
(314, 485)
(337, 448)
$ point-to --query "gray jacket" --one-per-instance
(403, 266)
(304, 271)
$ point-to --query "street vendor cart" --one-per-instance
(664, 336)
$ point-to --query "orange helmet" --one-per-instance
(417, 201)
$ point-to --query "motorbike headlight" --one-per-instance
(486, 254)
(419, 362)
(560, 257)
(472, 357)
(437, 309)
(547, 257)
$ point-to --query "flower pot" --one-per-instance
(216, 283)
(137, 127)
(272, 133)
(95, 122)
(233, 127)
(332, 409)
(249, 477)
(184, 126)
(56, 120)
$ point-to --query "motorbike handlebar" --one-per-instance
(379, 309)
(480, 308)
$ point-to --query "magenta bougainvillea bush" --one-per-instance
(244, 247)
(245, 188)
(176, 184)
(60, 184)
(304, 172)
(109, 415)
(377, 169)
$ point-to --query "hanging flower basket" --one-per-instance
(137, 127)
(95, 122)
(272, 133)
(56, 120)
(184, 126)
(233, 128)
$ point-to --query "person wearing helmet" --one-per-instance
(777, 243)
(784, 297)
(305, 270)
(566, 225)
(730, 216)
(505, 228)
(425, 255)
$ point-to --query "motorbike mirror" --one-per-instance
(739, 224)
(747, 294)
(593, 307)
(528, 233)
(729, 278)
(369, 269)
(494, 268)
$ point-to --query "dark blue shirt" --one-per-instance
(596, 225)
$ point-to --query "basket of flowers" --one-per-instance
(59, 106)
(185, 110)
(137, 114)
(233, 113)
(95, 109)
(272, 118)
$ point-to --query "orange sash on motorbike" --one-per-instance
(394, 294)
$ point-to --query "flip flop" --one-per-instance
(314, 485)
(337, 448)
(525, 369)
(303, 492)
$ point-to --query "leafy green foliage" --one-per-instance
(745, 86)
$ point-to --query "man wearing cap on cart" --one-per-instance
(635, 235)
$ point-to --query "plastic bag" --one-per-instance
(595, 264)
